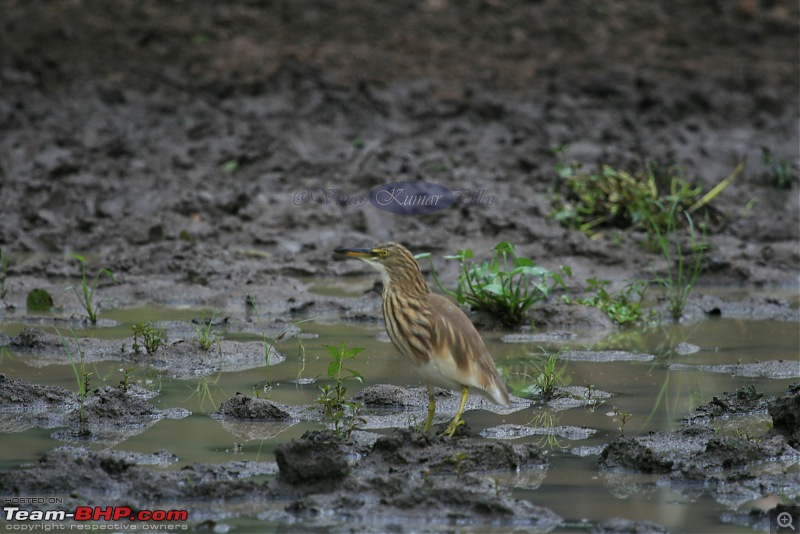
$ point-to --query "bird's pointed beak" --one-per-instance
(362, 253)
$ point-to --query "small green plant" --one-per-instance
(549, 376)
(38, 300)
(265, 340)
(81, 374)
(537, 376)
(126, 378)
(620, 416)
(5, 261)
(151, 336)
(345, 414)
(506, 287)
(457, 461)
(623, 307)
(206, 338)
(86, 294)
(682, 271)
(301, 354)
(781, 173)
(613, 198)
(349, 419)
(332, 397)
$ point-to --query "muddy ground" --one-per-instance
(188, 142)
(203, 151)
(403, 480)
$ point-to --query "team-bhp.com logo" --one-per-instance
(143, 519)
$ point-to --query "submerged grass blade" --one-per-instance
(80, 374)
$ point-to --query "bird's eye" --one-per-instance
(383, 253)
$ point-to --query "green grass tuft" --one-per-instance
(345, 414)
(623, 307)
(81, 375)
(206, 337)
(612, 198)
(506, 286)
(87, 288)
(151, 336)
(683, 268)
(536, 376)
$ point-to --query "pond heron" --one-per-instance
(433, 333)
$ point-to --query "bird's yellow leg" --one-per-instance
(457, 422)
(431, 408)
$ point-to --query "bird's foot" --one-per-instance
(452, 427)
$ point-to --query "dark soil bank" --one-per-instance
(176, 139)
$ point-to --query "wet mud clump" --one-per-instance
(252, 418)
(118, 478)
(408, 450)
(107, 415)
(721, 445)
(315, 458)
(631, 453)
(250, 408)
(182, 358)
(785, 413)
(113, 414)
(123, 405)
(24, 405)
(742, 402)
(626, 526)
(408, 480)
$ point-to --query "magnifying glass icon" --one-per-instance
(785, 520)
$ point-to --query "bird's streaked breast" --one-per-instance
(408, 327)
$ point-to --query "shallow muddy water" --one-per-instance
(664, 373)
(173, 143)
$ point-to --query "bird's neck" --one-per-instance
(409, 282)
